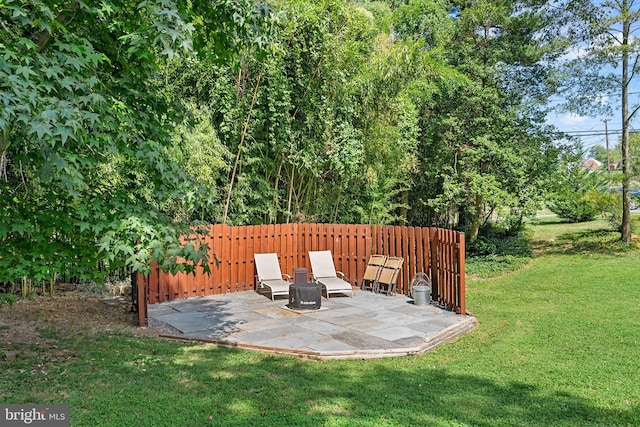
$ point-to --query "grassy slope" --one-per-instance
(557, 345)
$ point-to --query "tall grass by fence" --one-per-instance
(437, 252)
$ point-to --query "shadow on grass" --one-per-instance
(206, 385)
(584, 242)
(115, 379)
(551, 220)
(494, 256)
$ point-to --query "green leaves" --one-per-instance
(83, 137)
(578, 194)
(482, 144)
(116, 138)
(64, 132)
(40, 128)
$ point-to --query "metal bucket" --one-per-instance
(421, 289)
(421, 295)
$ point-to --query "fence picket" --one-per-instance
(437, 252)
(249, 251)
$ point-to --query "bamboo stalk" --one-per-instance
(290, 195)
(242, 138)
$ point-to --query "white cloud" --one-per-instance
(601, 43)
(574, 53)
(571, 119)
(603, 99)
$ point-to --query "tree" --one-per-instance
(606, 63)
(329, 116)
(484, 144)
(599, 153)
(578, 194)
(634, 154)
(88, 175)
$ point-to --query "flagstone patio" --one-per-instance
(367, 325)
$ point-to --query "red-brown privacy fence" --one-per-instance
(437, 252)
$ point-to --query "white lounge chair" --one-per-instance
(324, 272)
(269, 274)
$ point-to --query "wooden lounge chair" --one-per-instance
(269, 275)
(388, 277)
(324, 272)
(371, 273)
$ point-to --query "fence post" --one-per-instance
(460, 247)
(140, 284)
(435, 273)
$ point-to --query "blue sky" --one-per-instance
(590, 129)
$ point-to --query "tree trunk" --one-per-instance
(403, 210)
(242, 137)
(476, 219)
(625, 230)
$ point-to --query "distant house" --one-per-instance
(592, 164)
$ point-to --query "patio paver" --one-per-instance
(367, 325)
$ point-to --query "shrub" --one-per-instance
(576, 207)
(481, 247)
(7, 299)
(579, 194)
(497, 251)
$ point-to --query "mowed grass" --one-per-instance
(557, 345)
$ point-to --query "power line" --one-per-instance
(582, 133)
(600, 95)
(599, 132)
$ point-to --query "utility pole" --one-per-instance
(606, 138)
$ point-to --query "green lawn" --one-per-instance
(557, 345)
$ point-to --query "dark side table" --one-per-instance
(305, 296)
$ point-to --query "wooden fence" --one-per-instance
(437, 252)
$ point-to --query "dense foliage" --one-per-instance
(124, 125)
(88, 165)
(579, 194)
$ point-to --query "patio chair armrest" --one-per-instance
(258, 281)
(341, 274)
(286, 277)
